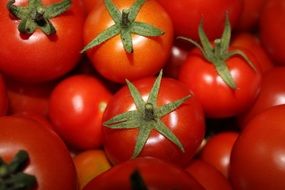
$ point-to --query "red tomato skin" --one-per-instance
(217, 98)
(187, 14)
(217, 151)
(4, 102)
(272, 93)
(208, 176)
(150, 53)
(39, 58)
(155, 173)
(271, 29)
(186, 122)
(50, 160)
(76, 107)
(257, 155)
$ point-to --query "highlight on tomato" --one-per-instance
(153, 117)
(128, 39)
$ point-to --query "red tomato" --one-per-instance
(272, 93)
(208, 176)
(217, 98)
(29, 98)
(185, 122)
(250, 14)
(149, 54)
(76, 107)
(89, 164)
(89, 5)
(49, 159)
(3, 96)
(39, 57)
(251, 46)
(187, 14)
(271, 29)
(152, 172)
(257, 159)
(217, 150)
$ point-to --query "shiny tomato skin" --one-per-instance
(155, 173)
(272, 93)
(4, 102)
(186, 16)
(257, 158)
(149, 53)
(38, 58)
(217, 98)
(271, 30)
(208, 176)
(50, 160)
(76, 107)
(217, 150)
(186, 122)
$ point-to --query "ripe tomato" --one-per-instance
(89, 5)
(272, 93)
(257, 158)
(217, 150)
(185, 122)
(3, 96)
(272, 20)
(49, 159)
(251, 46)
(208, 176)
(144, 173)
(39, 57)
(89, 164)
(187, 14)
(149, 54)
(76, 107)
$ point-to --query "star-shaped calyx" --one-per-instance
(147, 116)
(125, 24)
(218, 53)
(35, 15)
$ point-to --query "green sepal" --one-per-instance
(147, 116)
(125, 25)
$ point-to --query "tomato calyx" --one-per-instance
(35, 15)
(11, 175)
(125, 25)
(147, 116)
(218, 53)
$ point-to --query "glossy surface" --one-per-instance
(155, 173)
(38, 58)
(50, 160)
(150, 53)
(186, 122)
(257, 160)
(76, 107)
(217, 98)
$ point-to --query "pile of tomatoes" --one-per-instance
(142, 94)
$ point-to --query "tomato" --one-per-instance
(144, 173)
(29, 98)
(3, 96)
(148, 54)
(250, 15)
(89, 164)
(39, 57)
(76, 107)
(173, 137)
(217, 150)
(272, 93)
(187, 14)
(257, 159)
(89, 5)
(49, 159)
(251, 46)
(272, 20)
(209, 177)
